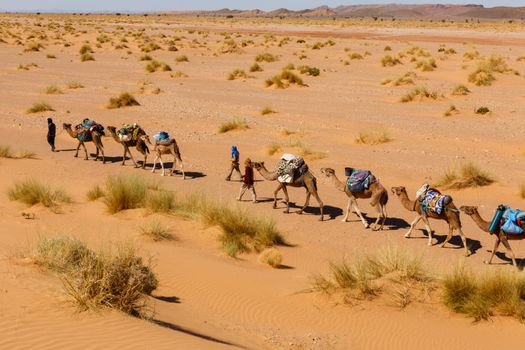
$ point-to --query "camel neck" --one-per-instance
(341, 186)
(266, 174)
(482, 224)
(406, 202)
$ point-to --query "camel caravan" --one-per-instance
(292, 171)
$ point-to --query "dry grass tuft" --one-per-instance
(236, 74)
(74, 85)
(312, 71)
(233, 124)
(156, 231)
(32, 191)
(420, 92)
(95, 193)
(156, 66)
(125, 192)
(482, 110)
(374, 137)
(267, 110)
(271, 257)
(125, 99)
(426, 65)
(273, 148)
(470, 175)
(52, 90)
(86, 57)
(450, 111)
(39, 107)
(482, 295)
(182, 58)
(460, 90)
(160, 201)
(284, 80)
(6, 152)
(389, 61)
(266, 57)
(99, 280)
(484, 73)
(256, 68)
(33, 47)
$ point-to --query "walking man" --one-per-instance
(51, 133)
(234, 158)
(248, 181)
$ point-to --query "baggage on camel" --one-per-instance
(359, 180)
(432, 200)
(162, 138)
(507, 220)
(129, 132)
(290, 167)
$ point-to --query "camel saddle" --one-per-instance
(290, 167)
(129, 132)
(434, 201)
(360, 180)
(512, 221)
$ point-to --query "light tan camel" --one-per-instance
(96, 138)
(139, 143)
(168, 148)
(450, 214)
(308, 181)
(376, 191)
(501, 237)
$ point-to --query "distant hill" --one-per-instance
(380, 10)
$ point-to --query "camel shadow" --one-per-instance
(66, 150)
(109, 159)
(187, 331)
(391, 223)
(455, 242)
(331, 212)
(508, 261)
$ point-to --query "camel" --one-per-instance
(450, 214)
(168, 148)
(376, 191)
(501, 237)
(96, 138)
(308, 181)
(139, 143)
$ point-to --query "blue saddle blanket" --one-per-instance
(360, 180)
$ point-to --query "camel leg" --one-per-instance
(131, 156)
(509, 249)
(496, 245)
(384, 214)
(96, 152)
(321, 205)
(275, 195)
(429, 230)
(358, 211)
(124, 156)
(305, 203)
(348, 207)
(103, 155)
(85, 151)
(162, 165)
(464, 240)
(449, 236)
(379, 216)
(155, 163)
(412, 226)
(182, 168)
(287, 199)
(78, 148)
(145, 160)
(174, 165)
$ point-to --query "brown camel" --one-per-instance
(450, 214)
(167, 148)
(308, 181)
(376, 191)
(139, 143)
(501, 237)
(96, 138)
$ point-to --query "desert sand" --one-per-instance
(207, 300)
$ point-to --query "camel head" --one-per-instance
(258, 165)
(399, 190)
(146, 138)
(328, 172)
(66, 126)
(112, 129)
(469, 210)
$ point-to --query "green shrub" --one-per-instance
(125, 192)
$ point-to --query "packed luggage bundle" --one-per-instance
(508, 220)
(85, 129)
(290, 167)
(129, 132)
(162, 138)
(432, 200)
(359, 180)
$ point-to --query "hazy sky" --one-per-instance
(152, 5)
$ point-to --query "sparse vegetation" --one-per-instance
(145, 58)
(450, 111)
(256, 68)
(460, 90)
(125, 192)
(374, 137)
(156, 66)
(273, 148)
(32, 191)
(233, 124)
(125, 99)
(420, 92)
(236, 74)
(470, 175)
(160, 201)
(85, 49)
(95, 193)
(267, 110)
(312, 71)
(86, 57)
(426, 65)
(389, 61)
(265, 57)
(33, 47)
(482, 110)
(271, 257)
(39, 107)
(74, 85)
(284, 80)
(53, 90)
(156, 231)
(6, 152)
(182, 58)
(484, 73)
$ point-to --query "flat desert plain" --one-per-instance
(346, 110)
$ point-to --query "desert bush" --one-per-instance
(51, 56)
(6, 152)
(387, 48)
(472, 55)
(483, 295)
(156, 231)
(405, 79)
(313, 71)
(52, 90)
(521, 58)
(237, 73)
(95, 193)
(355, 56)
(145, 58)
(389, 61)
(460, 90)
(39, 107)
(27, 66)
(233, 124)
(451, 110)
(470, 175)
(86, 57)
(256, 68)
(182, 58)
(484, 73)
(85, 49)
(32, 191)
(374, 137)
(420, 92)
(284, 80)
(272, 257)
(426, 65)
(33, 47)
(482, 110)
(102, 280)
(26, 154)
(267, 110)
(61, 253)
(156, 66)
(74, 85)
(160, 201)
(125, 192)
(125, 99)
(265, 57)
(150, 46)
